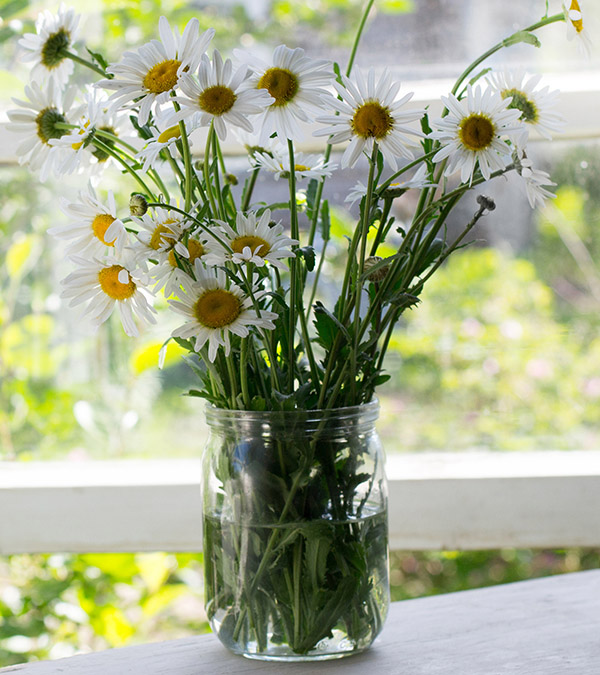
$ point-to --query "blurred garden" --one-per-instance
(502, 354)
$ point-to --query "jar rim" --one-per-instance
(371, 408)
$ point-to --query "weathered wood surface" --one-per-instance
(542, 627)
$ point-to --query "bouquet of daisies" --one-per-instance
(242, 274)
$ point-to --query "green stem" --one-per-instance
(88, 64)
(244, 372)
(358, 36)
(250, 189)
(109, 151)
(293, 266)
(206, 168)
(217, 181)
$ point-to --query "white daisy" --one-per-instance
(369, 113)
(475, 131)
(95, 225)
(104, 285)
(536, 106)
(37, 119)
(253, 240)
(165, 135)
(534, 180)
(161, 230)
(419, 181)
(214, 308)
(55, 36)
(254, 147)
(296, 83)
(77, 153)
(170, 269)
(576, 28)
(148, 76)
(218, 96)
(305, 166)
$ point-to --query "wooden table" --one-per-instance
(546, 626)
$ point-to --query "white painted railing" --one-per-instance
(437, 501)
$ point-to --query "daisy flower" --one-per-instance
(165, 135)
(77, 151)
(535, 181)
(218, 95)
(576, 28)
(37, 119)
(253, 147)
(474, 132)
(104, 285)
(418, 182)
(55, 36)
(95, 225)
(367, 114)
(536, 106)
(214, 308)
(168, 274)
(295, 82)
(306, 166)
(253, 240)
(148, 76)
(161, 230)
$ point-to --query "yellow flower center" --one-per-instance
(168, 134)
(217, 100)
(577, 23)
(217, 308)
(372, 120)
(195, 249)
(476, 132)
(110, 284)
(282, 84)
(301, 167)
(77, 146)
(162, 77)
(252, 242)
(159, 239)
(100, 224)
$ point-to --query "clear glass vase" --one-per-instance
(295, 532)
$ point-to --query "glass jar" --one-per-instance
(295, 531)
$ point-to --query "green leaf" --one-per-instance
(522, 36)
(327, 326)
(480, 74)
(311, 195)
(98, 58)
(308, 253)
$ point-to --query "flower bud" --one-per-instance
(137, 204)
(393, 192)
(231, 179)
(486, 203)
(378, 274)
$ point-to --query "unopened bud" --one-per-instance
(486, 202)
(378, 274)
(137, 204)
(231, 179)
(393, 192)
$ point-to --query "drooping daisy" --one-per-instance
(77, 153)
(56, 34)
(218, 95)
(214, 308)
(576, 28)
(253, 240)
(254, 147)
(369, 113)
(160, 231)
(419, 181)
(172, 266)
(104, 285)
(95, 225)
(305, 166)
(164, 137)
(534, 181)
(296, 83)
(536, 106)
(474, 132)
(148, 76)
(38, 119)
